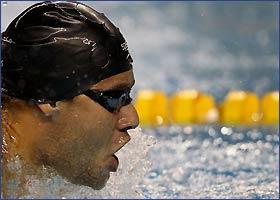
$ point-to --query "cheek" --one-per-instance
(72, 156)
(78, 137)
(85, 133)
(87, 114)
(92, 124)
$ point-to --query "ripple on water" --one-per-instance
(214, 163)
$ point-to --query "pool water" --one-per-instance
(214, 162)
(183, 162)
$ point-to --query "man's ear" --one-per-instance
(47, 109)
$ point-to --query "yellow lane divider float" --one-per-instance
(152, 107)
(155, 108)
(191, 106)
(240, 107)
(270, 108)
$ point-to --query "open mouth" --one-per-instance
(114, 163)
(124, 139)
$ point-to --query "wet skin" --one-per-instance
(79, 137)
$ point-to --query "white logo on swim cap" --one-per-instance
(6, 39)
(124, 46)
(90, 42)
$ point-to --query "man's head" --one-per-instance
(54, 51)
(69, 73)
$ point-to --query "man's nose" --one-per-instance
(128, 118)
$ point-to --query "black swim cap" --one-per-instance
(57, 50)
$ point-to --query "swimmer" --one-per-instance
(66, 81)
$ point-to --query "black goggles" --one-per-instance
(111, 100)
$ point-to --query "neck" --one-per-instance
(16, 177)
(16, 160)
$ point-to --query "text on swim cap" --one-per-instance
(89, 42)
(124, 46)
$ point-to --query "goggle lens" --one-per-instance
(111, 100)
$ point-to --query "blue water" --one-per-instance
(213, 162)
(214, 47)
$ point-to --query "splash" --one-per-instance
(214, 162)
(125, 183)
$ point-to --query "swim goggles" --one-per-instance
(111, 100)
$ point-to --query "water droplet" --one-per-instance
(153, 175)
(226, 131)
(218, 141)
(85, 75)
(212, 132)
(41, 100)
(67, 77)
(159, 119)
(12, 137)
(73, 72)
(188, 130)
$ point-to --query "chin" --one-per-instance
(96, 183)
(98, 187)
